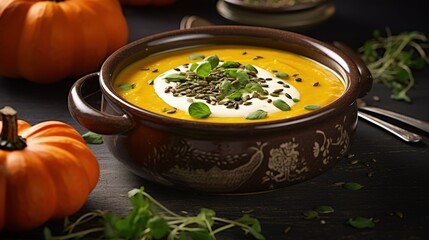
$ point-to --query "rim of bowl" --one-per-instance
(328, 52)
(280, 9)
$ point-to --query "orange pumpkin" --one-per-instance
(147, 2)
(46, 172)
(46, 41)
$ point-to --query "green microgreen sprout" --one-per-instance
(149, 219)
(391, 60)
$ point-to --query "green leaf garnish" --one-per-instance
(254, 87)
(213, 60)
(251, 68)
(242, 77)
(175, 77)
(281, 74)
(310, 214)
(361, 222)
(312, 107)
(196, 56)
(282, 105)
(226, 88)
(258, 114)
(92, 138)
(295, 100)
(199, 110)
(127, 86)
(235, 96)
(203, 69)
(324, 209)
(232, 72)
(230, 64)
(193, 66)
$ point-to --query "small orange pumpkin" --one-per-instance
(46, 41)
(147, 2)
(46, 172)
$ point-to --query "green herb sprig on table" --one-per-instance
(391, 60)
(149, 219)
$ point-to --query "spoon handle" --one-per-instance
(400, 132)
(406, 119)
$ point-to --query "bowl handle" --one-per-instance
(365, 75)
(86, 115)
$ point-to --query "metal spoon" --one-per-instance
(400, 132)
(362, 105)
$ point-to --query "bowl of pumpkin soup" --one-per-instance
(225, 109)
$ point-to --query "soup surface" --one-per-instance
(228, 84)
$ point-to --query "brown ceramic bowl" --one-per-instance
(223, 157)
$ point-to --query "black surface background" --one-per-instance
(400, 170)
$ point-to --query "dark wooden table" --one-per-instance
(394, 173)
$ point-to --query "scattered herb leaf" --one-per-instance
(324, 209)
(361, 222)
(92, 138)
(199, 110)
(310, 214)
(352, 186)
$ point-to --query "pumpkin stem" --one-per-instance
(9, 139)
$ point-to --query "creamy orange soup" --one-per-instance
(144, 84)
